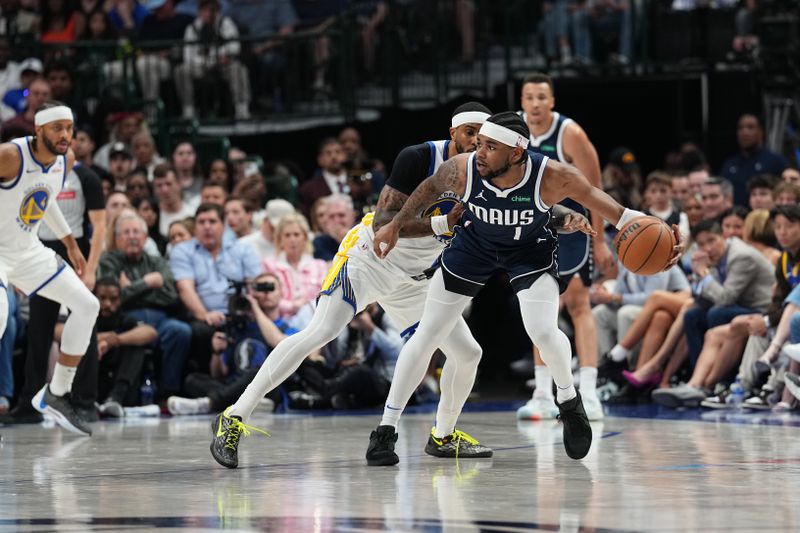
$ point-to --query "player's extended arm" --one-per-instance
(450, 176)
(389, 204)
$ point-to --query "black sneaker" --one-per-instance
(380, 451)
(226, 431)
(457, 444)
(23, 413)
(60, 408)
(577, 431)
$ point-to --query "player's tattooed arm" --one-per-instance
(449, 177)
(389, 204)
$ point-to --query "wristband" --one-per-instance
(440, 225)
(627, 216)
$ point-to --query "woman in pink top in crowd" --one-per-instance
(301, 275)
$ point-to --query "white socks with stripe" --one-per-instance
(62, 379)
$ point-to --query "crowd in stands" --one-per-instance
(171, 238)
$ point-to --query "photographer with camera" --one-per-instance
(203, 268)
(254, 327)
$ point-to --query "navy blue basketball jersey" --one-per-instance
(508, 218)
(574, 248)
(551, 142)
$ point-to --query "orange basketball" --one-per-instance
(644, 245)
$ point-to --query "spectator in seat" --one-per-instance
(218, 50)
(121, 342)
(236, 358)
(732, 222)
(263, 240)
(125, 126)
(759, 191)
(787, 193)
(680, 190)
(792, 175)
(148, 294)
(204, 268)
(621, 178)
(658, 189)
(717, 196)
(734, 279)
(340, 217)
(190, 179)
(239, 216)
(83, 144)
(120, 164)
(170, 201)
(143, 148)
(155, 64)
(38, 94)
(330, 177)
(301, 275)
(147, 208)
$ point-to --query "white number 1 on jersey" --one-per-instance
(517, 233)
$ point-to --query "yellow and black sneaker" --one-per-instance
(456, 445)
(226, 431)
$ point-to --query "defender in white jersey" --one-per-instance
(358, 278)
(32, 173)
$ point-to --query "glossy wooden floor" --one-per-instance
(721, 472)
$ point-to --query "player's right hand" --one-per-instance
(77, 259)
(454, 215)
(385, 239)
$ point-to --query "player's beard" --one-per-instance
(494, 173)
(52, 147)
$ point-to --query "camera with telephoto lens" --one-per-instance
(239, 306)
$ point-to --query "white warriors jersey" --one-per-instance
(411, 256)
(24, 199)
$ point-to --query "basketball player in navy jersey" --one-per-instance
(508, 195)
(562, 139)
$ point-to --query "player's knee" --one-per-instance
(90, 306)
(547, 339)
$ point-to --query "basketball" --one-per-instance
(644, 245)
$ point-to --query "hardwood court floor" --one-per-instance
(709, 472)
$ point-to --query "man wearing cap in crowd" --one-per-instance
(120, 164)
(621, 178)
(24, 73)
(38, 94)
(32, 173)
(263, 240)
(125, 126)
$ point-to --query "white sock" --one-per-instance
(62, 379)
(203, 405)
(619, 353)
(544, 382)
(588, 381)
(565, 394)
(391, 416)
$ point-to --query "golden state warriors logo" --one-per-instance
(442, 206)
(32, 208)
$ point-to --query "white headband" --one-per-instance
(504, 135)
(469, 117)
(51, 114)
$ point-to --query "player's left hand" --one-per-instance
(678, 249)
(576, 222)
(76, 258)
(603, 258)
(385, 239)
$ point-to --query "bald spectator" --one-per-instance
(752, 158)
